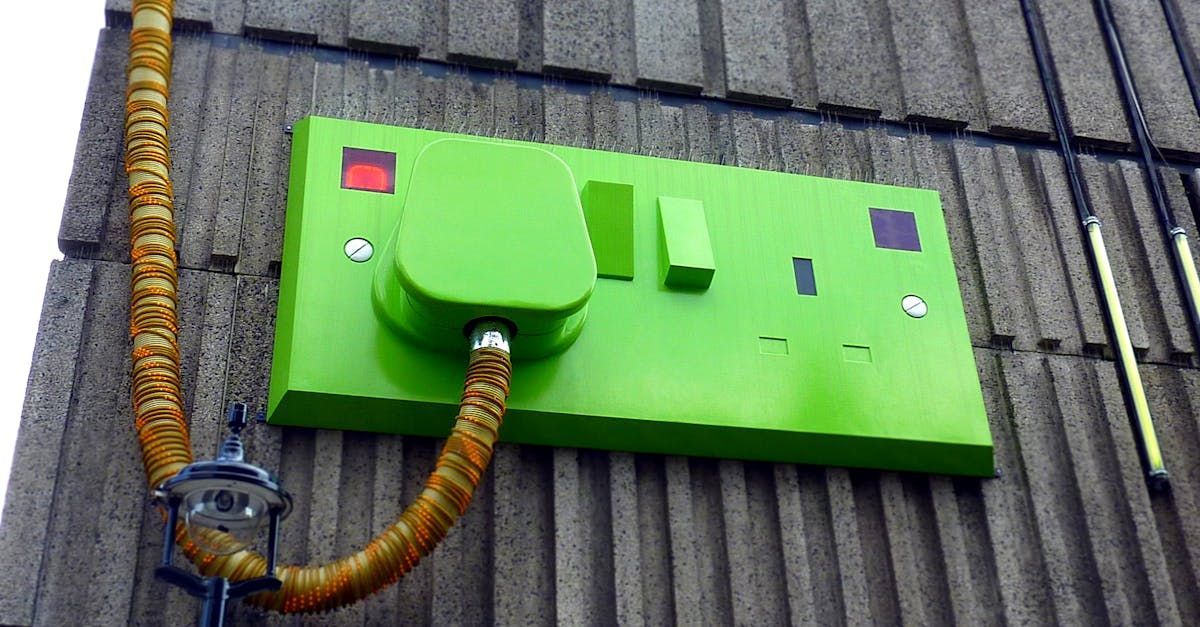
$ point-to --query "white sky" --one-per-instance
(45, 60)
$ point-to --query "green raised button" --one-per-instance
(685, 252)
(608, 209)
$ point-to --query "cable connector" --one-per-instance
(490, 334)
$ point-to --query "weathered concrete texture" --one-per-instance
(864, 77)
(577, 38)
(1085, 77)
(1013, 99)
(756, 51)
(1068, 533)
(938, 75)
(40, 438)
(668, 45)
(100, 144)
(483, 32)
(386, 27)
(1154, 63)
(299, 21)
(955, 63)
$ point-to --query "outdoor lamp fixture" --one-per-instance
(224, 504)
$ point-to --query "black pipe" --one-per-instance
(1133, 108)
(1127, 368)
(1058, 116)
(1183, 49)
(1172, 232)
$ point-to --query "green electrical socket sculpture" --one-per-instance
(659, 305)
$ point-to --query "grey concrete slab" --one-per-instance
(88, 449)
(568, 118)
(1034, 236)
(667, 45)
(1023, 591)
(685, 551)
(626, 545)
(235, 166)
(1122, 575)
(35, 468)
(1155, 284)
(1172, 394)
(483, 32)
(385, 27)
(522, 523)
(797, 572)
(756, 51)
(847, 543)
(1084, 76)
(755, 142)
(1158, 75)
(660, 129)
(990, 215)
(622, 42)
(189, 79)
(195, 226)
(285, 21)
(576, 38)
(1013, 100)
(262, 215)
(939, 82)
(100, 147)
(1060, 209)
(864, 78)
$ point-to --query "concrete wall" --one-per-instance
(1067, 534)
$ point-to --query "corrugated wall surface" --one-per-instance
(1068, 534)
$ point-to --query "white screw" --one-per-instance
(914, 306)
(359, 249)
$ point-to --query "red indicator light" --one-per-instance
(368, 170)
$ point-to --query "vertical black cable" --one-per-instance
(1171, 12)
(1058, 116)
(1127, 368)
(1133, 108)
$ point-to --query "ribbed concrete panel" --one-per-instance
(756, 52)
(398, 33)
(100, 142)
(40, 438)
(577, 38)
(483, 32)
(1158, 75)
(862, 78)
(951, 63)
(938, 75)
(668, 44)
(1012, 92)
(1068, 533)
(1085, 77)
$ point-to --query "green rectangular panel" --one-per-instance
(748, 368)
(608, 209)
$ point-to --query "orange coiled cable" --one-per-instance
(156, 390)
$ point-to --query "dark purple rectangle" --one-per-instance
(895, 229)
(806, 281)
